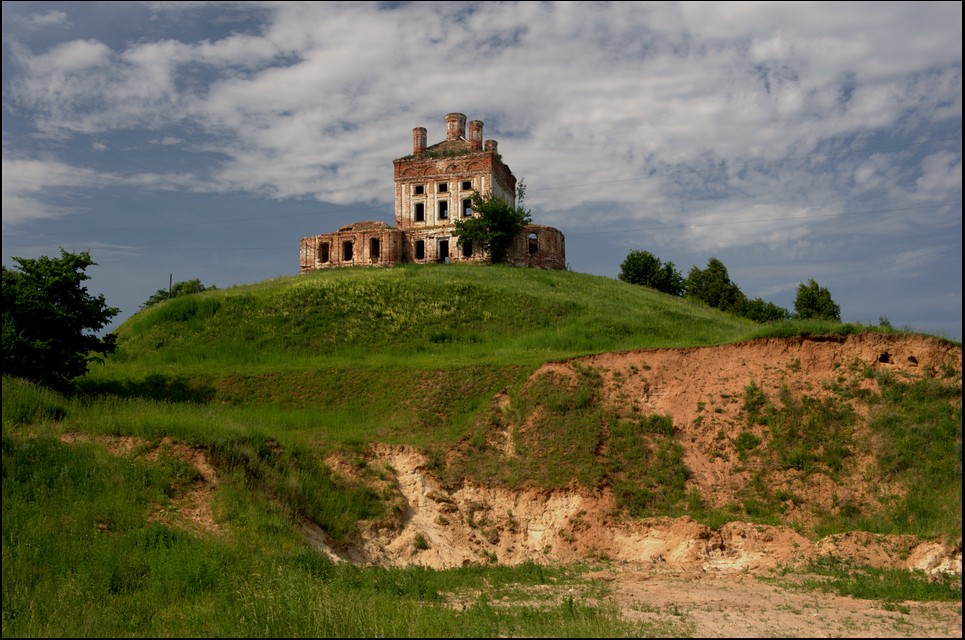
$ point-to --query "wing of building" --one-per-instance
(433, 189)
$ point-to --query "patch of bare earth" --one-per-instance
(191, 503)
(710, 583)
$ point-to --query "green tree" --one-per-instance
(183, 288)
(759, 310)
(644, 268)
(50, 320)
(814, 302)
(494, 225)
(713, 287)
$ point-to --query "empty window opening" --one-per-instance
(419, 190)
(323, 256)
(420, 212)
(443, 209)
(533, 244)
(444, 250)
(374, 248)
(467, 249)
(466, 184)
(466, 208)
(420, 250)
(443, 187)
(347, 251)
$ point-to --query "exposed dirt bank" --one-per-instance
(701, 390)
(700, 581)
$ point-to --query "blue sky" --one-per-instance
(788, 140)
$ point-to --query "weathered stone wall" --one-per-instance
(539, 247)
(359, 244)
(438, 244)
(460, 175)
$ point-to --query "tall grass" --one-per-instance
(27, 403)
(892, 586)
(915, 438)
(83, 557)
(919, 445)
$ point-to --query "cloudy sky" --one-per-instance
(789, 140)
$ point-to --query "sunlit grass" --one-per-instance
(888, 585)
(419, 315)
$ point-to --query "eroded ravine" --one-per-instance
(440, 528)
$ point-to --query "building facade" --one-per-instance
(433, 190)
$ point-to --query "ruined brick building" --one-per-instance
(433, 189)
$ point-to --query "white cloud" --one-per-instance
(46, 19)
(25, 182)
(907, 264)
(168, 141)
(777, 130)
(31, 187)
(941, 175)
(68, 58)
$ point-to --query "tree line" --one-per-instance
(712, 286)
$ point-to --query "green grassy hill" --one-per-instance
(389, 355)
(271, 379)
(417, 316)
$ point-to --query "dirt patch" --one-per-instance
(745, 606)
(677, 574)
(191, 505)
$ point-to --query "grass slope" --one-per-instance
(420, 316)
(409, 354)
(270, 378)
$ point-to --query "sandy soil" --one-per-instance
(674, 572)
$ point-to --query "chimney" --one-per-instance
(455, 126)
(475, 135)
(418, 140)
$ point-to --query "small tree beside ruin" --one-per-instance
(495, 224)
